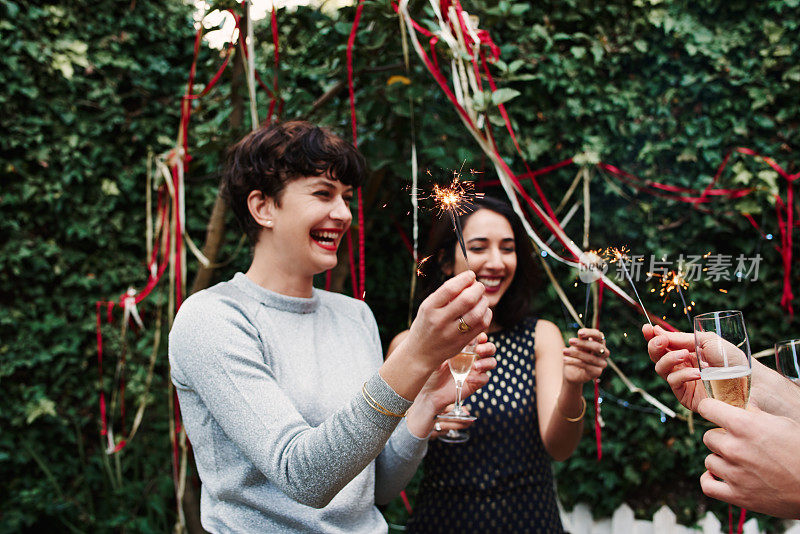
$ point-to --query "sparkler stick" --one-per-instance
(592, 267)
(685, 308)
(621, 255)
(459, 235)
(677, 281)
(586, 305)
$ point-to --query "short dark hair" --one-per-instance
(270, 157)
(515, 304)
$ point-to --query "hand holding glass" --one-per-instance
(460, 366)
(787, 359)
(723, 354)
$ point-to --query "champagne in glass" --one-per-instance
(730, 385)
(787, 359)
(723, 354)
(460, 366)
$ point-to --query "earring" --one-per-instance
(268, 224)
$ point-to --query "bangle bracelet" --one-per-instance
(375, 405)
(575, 419)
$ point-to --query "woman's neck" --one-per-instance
(271, 274)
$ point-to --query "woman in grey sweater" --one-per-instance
(297, 423)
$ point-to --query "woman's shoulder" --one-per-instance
(208, 303)
(546, 327)
(548, 337)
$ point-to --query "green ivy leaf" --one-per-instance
(504, 95)
(38, 408)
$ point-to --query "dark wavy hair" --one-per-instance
(515, 304)
(268, 158)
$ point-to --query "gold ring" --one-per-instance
(602, 351)
(463, 327)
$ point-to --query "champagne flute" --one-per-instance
(787, 359)
(723, 354)
(460, 366)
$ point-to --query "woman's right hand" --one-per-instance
(435, 335)
(676, 362)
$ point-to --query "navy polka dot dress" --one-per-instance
(501, 480)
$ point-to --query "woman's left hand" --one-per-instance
(439, 392)
(440, 389)
(585, 357)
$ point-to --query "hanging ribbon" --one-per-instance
(359, 289)
(509, 181)
(129, 308)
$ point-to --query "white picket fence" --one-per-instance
(580, 521)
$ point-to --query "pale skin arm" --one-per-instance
(434, 335)
(754, 459)
(439, 390)
(676, 362)
(560, 374)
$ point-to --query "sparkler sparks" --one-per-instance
(421, 263)
(671, 281)
(675, 280)
(455, 199)
(614, 254)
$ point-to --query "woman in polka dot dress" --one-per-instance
(532, 409)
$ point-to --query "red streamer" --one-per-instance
(104, 427)
(742, 515)
(359, 289)
(353, 280)
(362, 269)
(276, 59)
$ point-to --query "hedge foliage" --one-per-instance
(662, 89)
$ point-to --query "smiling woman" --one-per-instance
(306, 223)
(532, 409)
(296, 422)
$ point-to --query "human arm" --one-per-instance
(754, 459)
(439, 390)
(240, 412)
(435, 336)
(676, 362)
(560, 374)
(220, 364)
(397, 463)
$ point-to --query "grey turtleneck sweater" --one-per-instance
(270, 393)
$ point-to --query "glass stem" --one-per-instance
(459, 385)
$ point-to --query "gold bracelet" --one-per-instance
(375, 405)
(575, 419)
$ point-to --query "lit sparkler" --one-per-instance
(421, 263)
(455, 199)
(621, 255)
(675, 281)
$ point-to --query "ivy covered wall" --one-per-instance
(661, 89)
